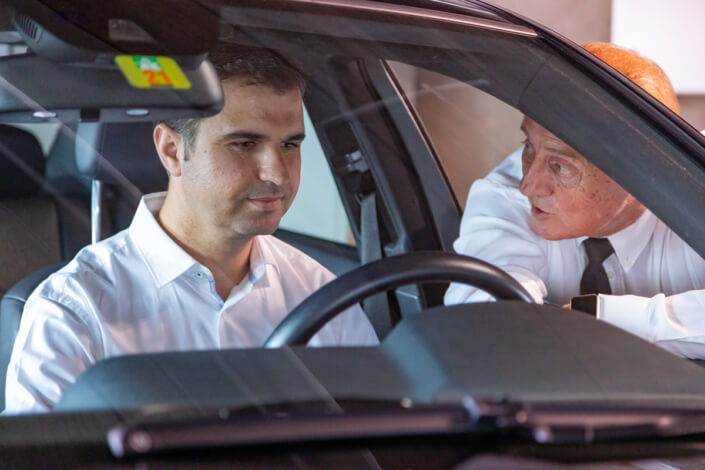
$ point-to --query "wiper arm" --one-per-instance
(584, 422)
(570, 422)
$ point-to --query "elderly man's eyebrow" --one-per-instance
(562, 150)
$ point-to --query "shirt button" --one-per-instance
(610, 274)
(199, 274)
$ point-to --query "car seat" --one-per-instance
(38, 228)
(117, 160)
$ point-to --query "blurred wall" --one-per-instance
(580, 21)
(693, 110)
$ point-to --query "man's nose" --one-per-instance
(536, 181)
(272, 167)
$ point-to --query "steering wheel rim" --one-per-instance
(388, 273)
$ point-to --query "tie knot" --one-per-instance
(597, 249)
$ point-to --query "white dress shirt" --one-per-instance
(658, 270)
(139, 292)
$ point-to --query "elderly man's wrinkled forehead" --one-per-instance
(536, 132)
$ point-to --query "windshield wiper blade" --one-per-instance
(567, 422)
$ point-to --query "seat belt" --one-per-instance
(377, 306)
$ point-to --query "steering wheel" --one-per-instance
(388, 273)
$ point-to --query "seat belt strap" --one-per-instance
(377, 306)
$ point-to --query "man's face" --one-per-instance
(569, 196)
(243, 169)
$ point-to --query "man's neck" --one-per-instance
(625, 218)
(227, 259)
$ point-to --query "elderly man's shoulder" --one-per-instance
(508, 172)
(505, 177)
(498, 195)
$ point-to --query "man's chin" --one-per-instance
(257, 226)
(265, 228)
(545, 229)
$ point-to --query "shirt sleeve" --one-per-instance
(495, 228)
(675, 322)
(53, 347)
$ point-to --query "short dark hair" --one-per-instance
(252, 65)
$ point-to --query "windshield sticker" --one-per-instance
(152, 72)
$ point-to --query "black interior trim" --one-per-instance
(336, 257)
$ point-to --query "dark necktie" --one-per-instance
(594, 279)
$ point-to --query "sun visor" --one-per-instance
(109, 61)
(33, 89)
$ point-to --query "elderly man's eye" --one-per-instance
(527, 146)
(527, 155)
(563, 169)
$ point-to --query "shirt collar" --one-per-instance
(261, 256)
(629, 242)
(166, 260)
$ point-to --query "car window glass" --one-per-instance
(467, 87)
(317, 210)
(470, 131)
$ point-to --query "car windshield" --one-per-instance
(164, 207)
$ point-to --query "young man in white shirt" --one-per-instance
(541, 214)
(197, 268)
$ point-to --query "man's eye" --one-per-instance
(562, 169)
(245, 144)
(527, 146)
(291, 145)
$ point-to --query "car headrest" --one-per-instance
(21, 162)
(121, 154)
(61, 174)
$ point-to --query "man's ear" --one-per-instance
(169, 146)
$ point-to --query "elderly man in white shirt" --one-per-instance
(563, 228)
(197, 268)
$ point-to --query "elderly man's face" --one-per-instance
(569, 196)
